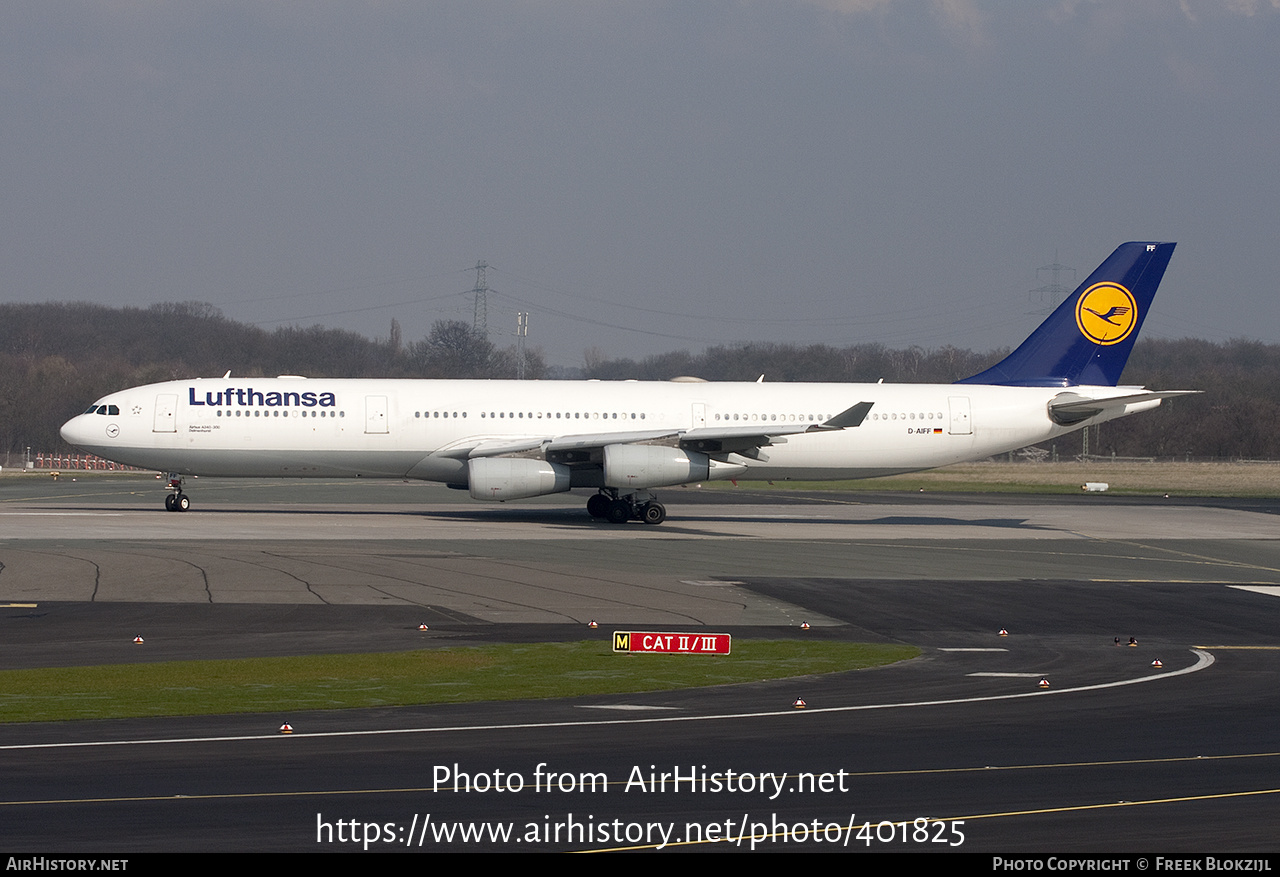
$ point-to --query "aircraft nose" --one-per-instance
(73, 430)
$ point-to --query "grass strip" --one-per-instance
(908, 484)
(453, 675)
(1124, 478)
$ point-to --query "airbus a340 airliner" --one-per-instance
(506, 440)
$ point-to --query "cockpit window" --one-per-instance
(92, 408)
(103, 409)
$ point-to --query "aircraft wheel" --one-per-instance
(170, 503)
(182, 503)
(598, 506)
(619, 511)
(653, 513)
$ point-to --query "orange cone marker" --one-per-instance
(286, 728)
(137, 640)
(798, 703)
(1044, 682)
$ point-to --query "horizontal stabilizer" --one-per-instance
(1068, 408)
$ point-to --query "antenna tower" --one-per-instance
(480, 322)
(522, 331)
(1054, 292)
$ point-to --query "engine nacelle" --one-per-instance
(641, 466)
(500, 478)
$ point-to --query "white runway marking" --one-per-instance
(62, 514)
(1269, 590)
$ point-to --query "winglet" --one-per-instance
(850, 417)
(1088, 338)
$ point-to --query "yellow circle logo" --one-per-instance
(1106, 313)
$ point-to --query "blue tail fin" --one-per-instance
(1087, 339)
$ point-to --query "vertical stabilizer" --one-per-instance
(1088, 338)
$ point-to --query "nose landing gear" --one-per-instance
(176, 501)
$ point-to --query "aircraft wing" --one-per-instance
(709, 440)
(747, 440)
(480, 447)
(501, 447)
(1068, 408)
(599, 440)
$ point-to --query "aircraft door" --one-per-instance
(961, 424)
(166, 409)
(375, 415)
(699, 414)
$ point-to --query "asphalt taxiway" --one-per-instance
(1114, 755)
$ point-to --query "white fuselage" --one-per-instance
(297, 427)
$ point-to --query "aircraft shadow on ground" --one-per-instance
(576, 517)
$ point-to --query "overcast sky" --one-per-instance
(643, 176)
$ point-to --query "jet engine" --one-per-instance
(642, 466)
(502, 478)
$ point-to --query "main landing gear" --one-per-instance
(615, 509)
(176, 501)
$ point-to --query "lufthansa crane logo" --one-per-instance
(1106, 313)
